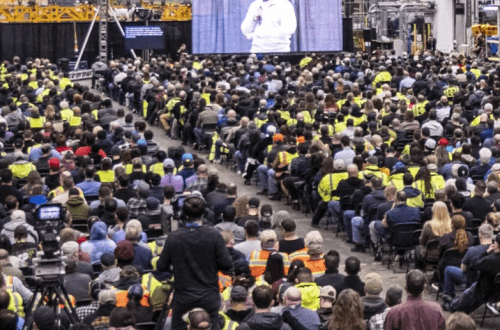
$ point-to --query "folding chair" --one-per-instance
(402, 238)
(451, 257)
(429, 259)
(493, 300)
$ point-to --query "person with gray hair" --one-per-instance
(71, 251)
(142, 254)
(484, 166)
(492, 191)
(292, 301)
(458, 275)
(393, 297)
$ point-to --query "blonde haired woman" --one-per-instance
(439, 225)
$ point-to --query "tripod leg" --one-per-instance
(38, 295)
(68, 307)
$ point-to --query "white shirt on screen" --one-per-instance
(270, 25)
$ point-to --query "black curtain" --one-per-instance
(56, 40)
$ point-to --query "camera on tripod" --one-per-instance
(49, 220)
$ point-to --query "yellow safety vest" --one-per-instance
(66, 114)
(129, 168)
(106, 176)
(228, 323)
(75, 121)
(33, 84)
(419, 108)
(157, 169)
(450, 92)
(374, 170)
(16, 301)
(21, 171)
(36, 122)
(329, 184)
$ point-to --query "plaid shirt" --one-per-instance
(136, 207)
(377, 321)
(84, 311)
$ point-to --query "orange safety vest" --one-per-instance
(225, 281)
(122, 298)
(258, 261)
(317, 266)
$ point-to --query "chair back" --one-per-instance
(345, 203)
(402, 235)
(453, 257)
(495, 295)
(432, 245)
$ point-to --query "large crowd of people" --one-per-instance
(374, 144)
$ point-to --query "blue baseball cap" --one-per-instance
(187, 158)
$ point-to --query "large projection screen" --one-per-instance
(266, 26)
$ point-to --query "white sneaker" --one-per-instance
(239, 172)
(493, 308)
(217, 161)
(435, 287)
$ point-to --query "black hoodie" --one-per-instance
(264, 321)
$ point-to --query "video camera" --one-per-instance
(49, 220)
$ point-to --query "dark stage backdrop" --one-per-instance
(56, 40)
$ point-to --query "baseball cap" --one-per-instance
(254, 202)
(198, 319)
(462, 171)
(328, 291)
(268, 239)
(373, 283)
(135, 291)
(239, 293)
(54, 163)
(108, 259)
(271, 129)
(443, 142)
(168, 163)
(266, 210)
(106, 296)
(398, 166)
(187, 158)
(143, 187)
(430, 144)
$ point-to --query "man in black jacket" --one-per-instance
(194, 254)
(479, 292)
(298, 168)
(332, 276)
(263, 318)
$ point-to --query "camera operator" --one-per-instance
(194, 254)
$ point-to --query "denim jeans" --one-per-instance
(377, 231)
(198, 135)
(240, 161)
(266, 178)
(348, 215)
(466, 301)
(218, 145)
(334, 208)
(452, 276)
(357, 224)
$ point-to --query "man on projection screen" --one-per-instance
(270, 24)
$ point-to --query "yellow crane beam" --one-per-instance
(12, 13)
